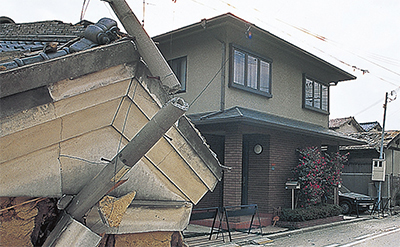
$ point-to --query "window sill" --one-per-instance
(250, 90)
(316, 110)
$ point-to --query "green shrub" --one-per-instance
(310, 213)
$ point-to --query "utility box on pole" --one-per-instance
(378, 169)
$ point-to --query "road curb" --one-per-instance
(313, 228)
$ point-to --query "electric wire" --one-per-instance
(84, 9)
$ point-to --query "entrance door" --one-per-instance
(254, 160)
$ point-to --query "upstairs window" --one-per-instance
(178, 66)
(250, 72)
(315, 95)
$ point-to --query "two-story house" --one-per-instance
(256, 98)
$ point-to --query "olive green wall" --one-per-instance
(204, 51)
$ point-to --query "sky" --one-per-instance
(361, 37)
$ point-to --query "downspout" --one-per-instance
(146, 47)
(222, 102)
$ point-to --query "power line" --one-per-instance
(84, 8)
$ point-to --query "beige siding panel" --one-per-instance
(91, 98)
(165, 180)
(191, 158)
(143, 99)
(89, 119)
(75, 86)
(29, 140)
(80, 157)
(27, 119)
(149, 184)
(176, 169)
(129, 119)
(36, 174)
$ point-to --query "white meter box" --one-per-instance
(378, 169)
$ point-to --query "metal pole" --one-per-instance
(381, 150)
(292, 199)
(383, 127)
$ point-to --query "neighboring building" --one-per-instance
(345, 125)
(69, 108)
(256, 98)
(371, 126)
(357, 174)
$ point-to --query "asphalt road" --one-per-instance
(372, 232)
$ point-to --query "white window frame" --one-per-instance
(179, 67)
(248, 76)
(315, 95)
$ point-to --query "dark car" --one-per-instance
(348, 200)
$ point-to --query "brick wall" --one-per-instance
(258, 171)
(284, 158)
(233, 158)
(268, 171)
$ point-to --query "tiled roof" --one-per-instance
(28, 37)
(373, 139)
(337, 122)
(26, 43)
(370, 125)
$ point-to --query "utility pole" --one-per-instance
(388, 99)
(381, 150)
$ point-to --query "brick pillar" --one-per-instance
(233, 158)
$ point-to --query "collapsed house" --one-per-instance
(94, 149)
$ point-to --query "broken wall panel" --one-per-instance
(145, 216)
(34, 174)
(101, 79)
(29, 140)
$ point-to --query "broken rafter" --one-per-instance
(23, 203)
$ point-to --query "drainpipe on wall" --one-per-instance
(222, 103)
